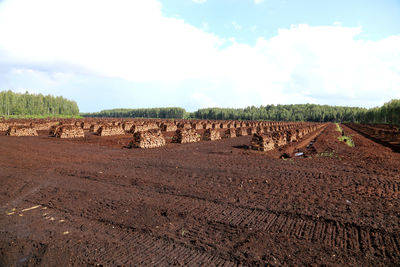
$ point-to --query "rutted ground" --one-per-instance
(212, 203)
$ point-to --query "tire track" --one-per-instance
(330, 233)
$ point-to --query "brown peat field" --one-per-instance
(96, 199)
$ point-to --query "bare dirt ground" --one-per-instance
(90, 201)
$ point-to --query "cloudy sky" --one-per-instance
(202, 53)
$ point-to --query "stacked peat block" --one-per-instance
(93, 128)
(251, 130)
(85, 125)
(211, 135)
(168, 127)
(241, 132)
(184, 125)
(291, 136)
(260, 129)
(262, 142)
(279, 138)
(54, 129)
(207, 125)
(43, 126)
(229, 133)
(109, 130)
(143, 128)
(185, 136)
(69, 131)
(148, 139)
(21, 131)
(127, 126)
(223, 125)
(4, 126)
(197, 126)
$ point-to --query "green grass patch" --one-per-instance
(343, 138)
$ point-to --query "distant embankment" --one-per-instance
(35, 105)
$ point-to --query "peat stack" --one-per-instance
(223, 125)
(127, 126)
(184, 125)
(69, 131)
(251, 130)
(94, 128)
(197, 126)
(109, 130)
(21, 131)
(4, 127)
(54, 129)
(186, 136)
(148, 139)
(207, 126)
(279, 138)
(143, 128)
(291, 136)
(241, 132)
(168, 127)
(229, 133)
(211, 135)
(262, 142)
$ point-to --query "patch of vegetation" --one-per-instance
(344, 138)
(327, 154)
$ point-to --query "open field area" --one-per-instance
(91, 199)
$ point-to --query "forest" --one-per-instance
(18, 104)
(388, 113)
(25, 104)
(161, 113)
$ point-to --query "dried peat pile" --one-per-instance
(4, 126)
(109, 130)
(262, 142)
(21, 131)
(229, 133)
(241, 131)
(185, 136)
(147, 139)
(211, 135)
(168, 127)
(69, 131)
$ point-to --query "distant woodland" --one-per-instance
(388, 113)
(17, 104)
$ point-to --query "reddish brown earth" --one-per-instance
(209, 203)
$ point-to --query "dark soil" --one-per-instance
(208, 203)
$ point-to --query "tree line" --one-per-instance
(14, 104)
(161, 113)
(388, 113)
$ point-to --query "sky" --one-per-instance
(202, 53)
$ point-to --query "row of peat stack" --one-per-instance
(271, 140)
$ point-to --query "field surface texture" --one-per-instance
(213, 203)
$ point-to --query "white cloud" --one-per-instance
(133, 41)
(258, 2)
